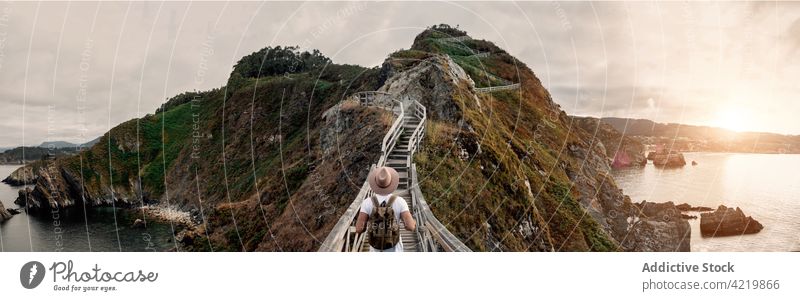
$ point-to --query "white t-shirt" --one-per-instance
(399, 206)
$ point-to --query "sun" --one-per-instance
(731, 118)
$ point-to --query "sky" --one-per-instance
(71, 71)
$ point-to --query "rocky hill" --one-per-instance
(21, 154)
(271, 160)
(509, 170)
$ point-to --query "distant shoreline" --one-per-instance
(736, 153)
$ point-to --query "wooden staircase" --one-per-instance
(399, 160)
(397, 151)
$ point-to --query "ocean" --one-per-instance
(764, 186)
(73, 229)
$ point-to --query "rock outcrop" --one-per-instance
(139, 224)
(666, 159)
(728, 221)
(4, 214)
(687, 207)
(22, 176)
(659, 227)
(55, 187)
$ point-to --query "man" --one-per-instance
(384, 211)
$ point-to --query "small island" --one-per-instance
(667, 159)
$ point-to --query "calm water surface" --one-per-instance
(765, 186)
(98, 229)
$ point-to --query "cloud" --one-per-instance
(672, 62)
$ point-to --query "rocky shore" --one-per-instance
(728, 221)
(660, 227)
(167, 214)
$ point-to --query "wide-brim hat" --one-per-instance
(383, 180)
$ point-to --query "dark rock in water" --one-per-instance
(13, 211)
(694, 163)
(687, 207)
(728, 221)
(139, 224)
(4, 215)
(667, 159)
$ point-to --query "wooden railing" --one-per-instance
(419, 111)
(343, 237)
(455, 39)
(479, 55)
(432, 235)
(390, 140)
(498, 88)
(375, 98)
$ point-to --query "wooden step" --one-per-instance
(393, 162)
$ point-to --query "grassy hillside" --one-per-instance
(499, 179)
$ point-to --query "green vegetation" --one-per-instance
(279, 60)
(176, 126)
(14, 155)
